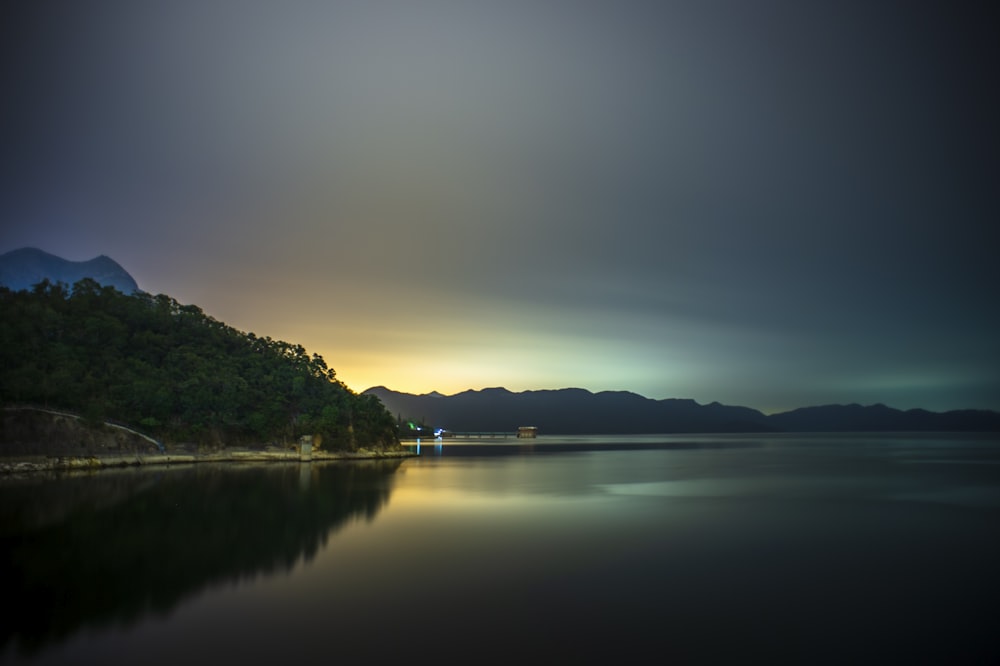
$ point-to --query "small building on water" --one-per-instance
(527, 431)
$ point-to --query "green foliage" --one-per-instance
(173, 370)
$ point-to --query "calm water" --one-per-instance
(695, 549)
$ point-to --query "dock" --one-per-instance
(480, 435)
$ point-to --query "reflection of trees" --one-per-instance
(113, 548)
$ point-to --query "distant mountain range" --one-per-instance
(573, 411)
(26, 267)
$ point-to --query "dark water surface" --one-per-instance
(826, 549)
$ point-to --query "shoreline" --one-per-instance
(22, 464)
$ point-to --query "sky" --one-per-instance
(772, 203)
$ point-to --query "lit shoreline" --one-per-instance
(19, 464)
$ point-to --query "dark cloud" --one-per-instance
(771, 203)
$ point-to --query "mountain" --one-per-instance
(26, 267)
(879, 418)
(577, 411)
(172, 372)
(567, 411)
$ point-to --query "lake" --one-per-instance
(700, 549)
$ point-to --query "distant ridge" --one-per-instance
(880, 418)
(574, 411)
(24, 268)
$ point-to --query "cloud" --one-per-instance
(681, 199)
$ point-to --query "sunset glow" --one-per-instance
(772, 207)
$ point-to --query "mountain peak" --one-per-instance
(25, 267)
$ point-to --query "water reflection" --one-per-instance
(816, 550)
(112, 547)
(503, 446)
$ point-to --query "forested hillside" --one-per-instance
(173, 371)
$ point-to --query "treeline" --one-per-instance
(173, 371)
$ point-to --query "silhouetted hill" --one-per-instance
(578, 411)
(879, 418)
(568, 411)
(26, 267)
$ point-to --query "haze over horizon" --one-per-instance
(772, 204)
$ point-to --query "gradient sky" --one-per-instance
(765, 203)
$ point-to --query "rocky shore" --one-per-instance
(54, 463)
(16, 465)
(38, 440)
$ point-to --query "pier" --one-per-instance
(479, 435)
(520, 433)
